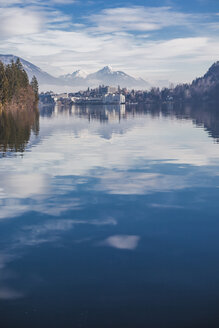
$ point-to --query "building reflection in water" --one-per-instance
(16, 127)
(205, 115)
(101, 113)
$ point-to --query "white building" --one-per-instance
(112, 98)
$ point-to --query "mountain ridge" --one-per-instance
(208, 83)
(30, 68)
(78, 78)
(108, 76)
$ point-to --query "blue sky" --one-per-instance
(153, 39)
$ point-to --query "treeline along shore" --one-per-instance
(19, 114)
(16, 92)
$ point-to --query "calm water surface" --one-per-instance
(109, 218)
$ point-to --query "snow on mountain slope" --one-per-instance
(42, 77)
(108, 76)
(78, 79)
(79, 74)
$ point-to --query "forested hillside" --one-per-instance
(15, 90)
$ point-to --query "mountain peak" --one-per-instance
(80, 73)
(107, 69)
(79, 78)
(108, 76)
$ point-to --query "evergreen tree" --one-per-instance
(3, 85)
(14, 79)
(22, 78)
(18, 64)
(35, 86)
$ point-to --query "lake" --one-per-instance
(109, 217)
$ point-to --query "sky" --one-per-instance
(157, 40)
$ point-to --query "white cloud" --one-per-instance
(139, 19)
(58, 44)
(19, 21)
(28, 21)
(67, 51)
(63, 1)
(8, 3)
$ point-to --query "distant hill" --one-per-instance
(208, 85)
(202, 89)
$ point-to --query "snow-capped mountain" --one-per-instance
(42, 77)
(79, 74)
(106, 71)
(78, 79)
(108, 76)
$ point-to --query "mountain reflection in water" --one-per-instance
(110, 217)
(203, 115)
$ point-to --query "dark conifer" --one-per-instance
(35, 86)
(3, 85)
(13, 78)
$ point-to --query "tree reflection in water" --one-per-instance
(16, 128)
(204, 115)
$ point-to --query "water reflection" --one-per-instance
(16, 128)
(203, 115)
(122, 242)
(140, 151)
(112, 209)
(102, 113)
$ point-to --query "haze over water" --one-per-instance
(109, 218)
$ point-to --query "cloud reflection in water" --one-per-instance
(122, 242)
(9, 294)
(72, 151)
(136, 183)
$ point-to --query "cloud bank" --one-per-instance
(151, 42)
